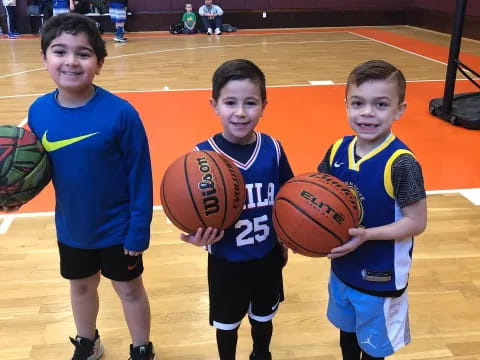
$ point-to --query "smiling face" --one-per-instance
(371, 108)
(72, 65)
(239, 106)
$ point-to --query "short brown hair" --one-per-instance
(377, 70)
(74, 24)
(238, 69)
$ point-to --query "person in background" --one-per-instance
(10, 10)
(211, 17)
(118, 14)
(62, 6)
(189, 20)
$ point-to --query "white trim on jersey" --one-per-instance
(239, 164)
(402, 258)
(277, 147)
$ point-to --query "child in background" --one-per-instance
(245, 261)
(189, 20)
(102, 177)
(62, 6)
(368, 298)
(118, 14)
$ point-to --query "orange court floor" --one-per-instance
(307, 119)
(167, 79)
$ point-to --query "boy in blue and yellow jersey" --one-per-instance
(102, 177)
(245, 261)
(367, 291)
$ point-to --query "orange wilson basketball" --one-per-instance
(313, 212)
(202, 189)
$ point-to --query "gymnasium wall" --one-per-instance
(247, 14)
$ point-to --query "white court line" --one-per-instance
(321, 82)
(231, 45)
(472, 195)
(399, 48)
(209, 88)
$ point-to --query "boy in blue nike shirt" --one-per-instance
(102, 177)
(245, 261)
(368, 300)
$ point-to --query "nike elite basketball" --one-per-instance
(24, 166)
(202, 189)
(313, 212)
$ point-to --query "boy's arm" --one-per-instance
(284, 168)
(324, 166)
(219, 11)
(410, 194)
(135, 148)
(413, 223)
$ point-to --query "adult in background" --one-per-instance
(211, 17)
(118, 14)
(10, 10)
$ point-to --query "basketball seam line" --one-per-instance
(297, 244)
(190, 190)
(311, 218)
(334, 194)
(225, 197)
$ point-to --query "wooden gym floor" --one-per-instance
(167, 78)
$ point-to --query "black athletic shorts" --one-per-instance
(112, 262)
(235, 289)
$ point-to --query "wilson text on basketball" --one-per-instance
(207, 187)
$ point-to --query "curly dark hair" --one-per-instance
(74, 24)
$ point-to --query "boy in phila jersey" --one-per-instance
(367, 290)
(245, 266)
(102, 177)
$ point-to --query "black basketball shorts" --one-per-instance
(111, 261)
(236, 289)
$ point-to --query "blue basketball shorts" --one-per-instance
(118, 12)
(380, 323)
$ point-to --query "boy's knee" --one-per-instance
(129, 291)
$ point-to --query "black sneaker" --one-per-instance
(254, 357)
(86, 349)
(142, 352)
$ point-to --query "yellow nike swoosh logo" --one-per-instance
(55, 145)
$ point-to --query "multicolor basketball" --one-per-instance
(202, 189)
(313, 212)
(24, 166)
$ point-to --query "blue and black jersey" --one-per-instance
(265, 168)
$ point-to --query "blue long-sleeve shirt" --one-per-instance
(101, 170)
